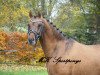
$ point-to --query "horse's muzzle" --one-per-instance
(31, 41)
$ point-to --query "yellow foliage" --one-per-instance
(24, 11)
(9, 14)
(3, 40)
(38, 53)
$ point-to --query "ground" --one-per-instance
(22, 70)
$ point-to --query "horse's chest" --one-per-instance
(58, 69)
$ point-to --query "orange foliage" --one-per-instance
(18, 41)
(3, 40)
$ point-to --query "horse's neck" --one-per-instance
(50, 38)
(48, 43)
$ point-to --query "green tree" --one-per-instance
(80, 19)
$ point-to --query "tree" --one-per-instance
(79, 20)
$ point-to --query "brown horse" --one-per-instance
(65, 55)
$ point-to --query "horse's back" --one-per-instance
(90, 59)
(95, 47)
(89, 56)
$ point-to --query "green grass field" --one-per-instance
(22, 70)
(24, 73)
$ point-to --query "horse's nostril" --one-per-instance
(33, 39)
(30, 41)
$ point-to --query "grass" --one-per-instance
(24, 73)
(22, 70)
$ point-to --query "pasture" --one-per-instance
(22, 70)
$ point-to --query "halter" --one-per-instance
(37, 35)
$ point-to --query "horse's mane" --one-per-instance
(57, 32)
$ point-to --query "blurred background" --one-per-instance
(79, 19)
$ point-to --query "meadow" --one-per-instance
(22, 70)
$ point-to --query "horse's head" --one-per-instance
(35, 28)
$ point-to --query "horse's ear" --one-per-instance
(30, 14)
(40, 15)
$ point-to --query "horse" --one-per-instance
(65, 55)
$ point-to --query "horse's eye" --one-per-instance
(39, 25)
(28, 25)
(33, 23)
